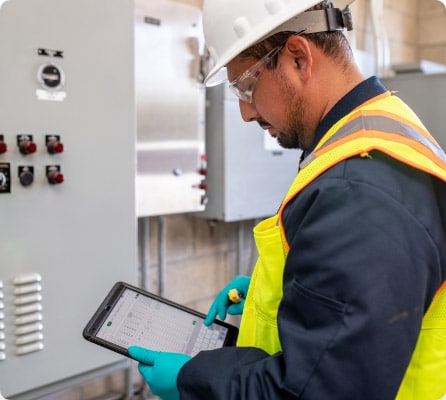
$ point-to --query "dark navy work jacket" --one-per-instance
(367, 254)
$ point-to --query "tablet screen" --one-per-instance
(138, 320)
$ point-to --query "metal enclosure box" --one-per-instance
(426, 95)
(249, 173)
(170, 107)
(67, 212)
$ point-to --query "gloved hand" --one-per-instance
(222, 303)
(160, 370)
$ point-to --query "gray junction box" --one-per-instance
(426, 95)
(248, 172)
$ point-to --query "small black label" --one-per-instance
(152, 21)
(50, 52)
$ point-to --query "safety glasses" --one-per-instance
(243, 86)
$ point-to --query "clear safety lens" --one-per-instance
(243, 87)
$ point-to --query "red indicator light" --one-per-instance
(3, 147)
(203, 170)
(55, 177)
(27, 147)
(55, 147)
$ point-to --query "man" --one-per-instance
(350, 265)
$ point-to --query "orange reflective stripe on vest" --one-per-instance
(385, 124)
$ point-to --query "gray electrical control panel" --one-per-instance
(67, 191)
(248, 173)
(426, 95)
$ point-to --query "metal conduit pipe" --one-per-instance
(239, 251)
(144, 251)
(144, 271)
(128, 381)
(246, 268)
(253, 254)
(161, 256)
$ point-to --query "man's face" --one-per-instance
(277, 105)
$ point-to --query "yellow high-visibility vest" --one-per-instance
(385, 124)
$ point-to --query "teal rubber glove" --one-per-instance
(160, 370)
(223, 305)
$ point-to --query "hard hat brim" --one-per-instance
(258, 33)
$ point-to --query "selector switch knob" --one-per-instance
(5, 185)
(51, 76)
(3, 180)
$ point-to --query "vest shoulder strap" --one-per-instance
(399, 135)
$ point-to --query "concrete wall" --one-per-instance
(201, 256)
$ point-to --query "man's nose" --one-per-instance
(248, 111)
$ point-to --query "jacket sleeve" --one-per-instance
(356, 285)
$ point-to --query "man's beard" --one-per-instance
(293, 136)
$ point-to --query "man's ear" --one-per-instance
(298, 49)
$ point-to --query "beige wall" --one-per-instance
(201, 257)
(415, 29)
(401, 24)
(431, 31)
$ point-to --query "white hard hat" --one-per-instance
(232, 26)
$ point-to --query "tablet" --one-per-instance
(130, 316)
